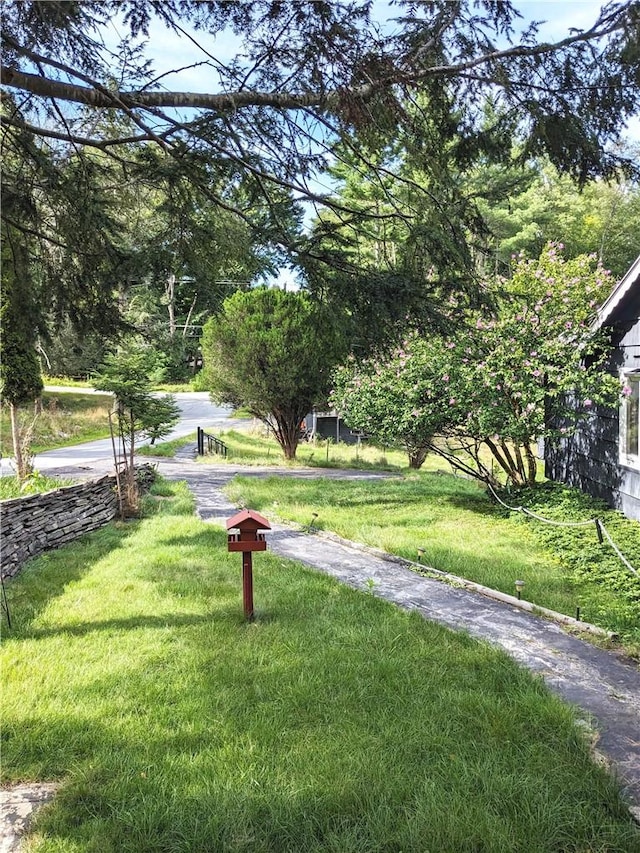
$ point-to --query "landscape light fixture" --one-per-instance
(420, 554)
(519, 586)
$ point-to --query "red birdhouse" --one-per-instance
(247, 526)
(247, 537)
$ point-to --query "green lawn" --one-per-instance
(166, 449)
(460, 530)
(10, 487)
(253, 447)
(66, 382)
(334, 722)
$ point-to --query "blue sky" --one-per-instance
(169, 52)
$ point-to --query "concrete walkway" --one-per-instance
(601, 683)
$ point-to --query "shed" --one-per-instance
(330, 425)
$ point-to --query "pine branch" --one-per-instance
(97, 95)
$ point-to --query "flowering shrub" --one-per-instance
(526, 369)
(404, 398)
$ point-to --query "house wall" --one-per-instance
(590, 458)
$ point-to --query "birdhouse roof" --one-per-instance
(248, 519)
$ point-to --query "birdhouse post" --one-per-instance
(245, 534)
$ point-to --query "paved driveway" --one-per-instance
(96, 457)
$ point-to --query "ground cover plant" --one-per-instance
(66, 418)
(614, 590)
(334, 722)
(451, 524)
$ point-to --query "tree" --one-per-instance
(400, 269)
(307, 75)
(602, 218)
(127, 375)
(20, 376)
(272, 352)
(311, 83)
(189, 254)
(505, 380)
(62, 243)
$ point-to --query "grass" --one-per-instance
(166, 449)
(335, 722)
(35, 484)
(66, 419)
(459, 530)
(67, 382)
(173, 387)
(253, 447)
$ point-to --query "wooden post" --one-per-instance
(247, 585)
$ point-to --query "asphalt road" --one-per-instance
(97, 456)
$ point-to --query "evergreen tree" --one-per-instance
(272, 352)
(20, 378)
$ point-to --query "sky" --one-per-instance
(169, 52)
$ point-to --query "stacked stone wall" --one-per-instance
(37, 523)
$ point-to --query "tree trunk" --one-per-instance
(17, 443)
(170, 290)
(417, 455)
(502, 462)
(286, 427)
(133, 502)
(188, 320)
(532, 466)
(290, 441)
(521, 470)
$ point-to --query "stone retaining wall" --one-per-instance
(37, 523)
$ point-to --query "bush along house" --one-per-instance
(602, 457)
